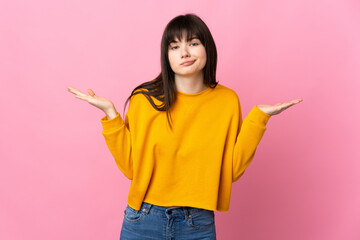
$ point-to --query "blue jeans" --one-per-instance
(167, 223)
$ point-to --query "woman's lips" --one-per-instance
(188, 63)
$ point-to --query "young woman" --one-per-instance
(183, 141)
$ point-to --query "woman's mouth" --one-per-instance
(187, 63)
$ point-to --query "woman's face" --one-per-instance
(181, 52)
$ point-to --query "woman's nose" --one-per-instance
(185, 52)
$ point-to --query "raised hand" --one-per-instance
(99, 102)
(277, 108)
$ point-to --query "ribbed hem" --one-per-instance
(113, 123)
(258, 116)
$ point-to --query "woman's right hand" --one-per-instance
(99, 102)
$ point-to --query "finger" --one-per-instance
(75, 91)
(81, 97)
(286, 105)
(293, 102)
(77, 96)
(289, 104)
(297, 100)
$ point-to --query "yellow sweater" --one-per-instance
(196, 163)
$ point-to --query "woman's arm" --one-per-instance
(118, 139)
(251, 132)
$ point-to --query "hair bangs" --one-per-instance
(177, 30)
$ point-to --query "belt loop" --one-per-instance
(186, 213)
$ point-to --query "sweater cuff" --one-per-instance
(258, 116)
(113, 123)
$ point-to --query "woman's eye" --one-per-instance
(173, 48)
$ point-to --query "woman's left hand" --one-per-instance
(277, 108)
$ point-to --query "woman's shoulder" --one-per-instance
(138, 95)
(140, 90)
(226, 91)
(140, 101)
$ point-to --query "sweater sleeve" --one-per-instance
(117, 136)
(250, 132)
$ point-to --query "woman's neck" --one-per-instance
(190, 84)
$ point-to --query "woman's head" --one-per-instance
(185, 27)
(181, 52)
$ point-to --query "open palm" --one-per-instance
(99, 102)
(277, 108)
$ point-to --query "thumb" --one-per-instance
(91, 92)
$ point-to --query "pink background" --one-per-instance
(59, 180)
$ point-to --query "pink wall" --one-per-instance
(59, 180)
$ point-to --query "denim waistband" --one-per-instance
(185, 211)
